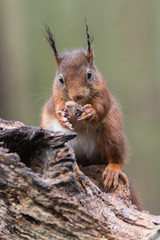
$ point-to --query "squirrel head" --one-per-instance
(77, 77)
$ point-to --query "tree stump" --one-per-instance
(44, 195)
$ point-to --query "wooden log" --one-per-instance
(44, 194)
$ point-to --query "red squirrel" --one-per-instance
(100, 136)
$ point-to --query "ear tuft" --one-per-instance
(90, 55)
(52, 43)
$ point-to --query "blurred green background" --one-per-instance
(127, 49)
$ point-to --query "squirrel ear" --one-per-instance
(52, 43)
(58, 60)
(90, 55)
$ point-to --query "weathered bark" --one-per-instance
(44, 195)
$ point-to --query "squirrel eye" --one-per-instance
(61, 80)
(89, 75)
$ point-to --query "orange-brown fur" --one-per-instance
(101, 121)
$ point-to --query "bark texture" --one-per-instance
(44, 195)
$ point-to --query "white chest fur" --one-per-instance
(86, 141)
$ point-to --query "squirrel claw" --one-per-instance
(86, 116)
(88, 113)
(111, 176)
(64, 119)
(63, 114)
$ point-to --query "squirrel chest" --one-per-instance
(85, 144)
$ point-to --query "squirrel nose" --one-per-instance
(78, 97)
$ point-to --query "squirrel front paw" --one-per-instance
(64, 118)
(88, 113)
(111, 175)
